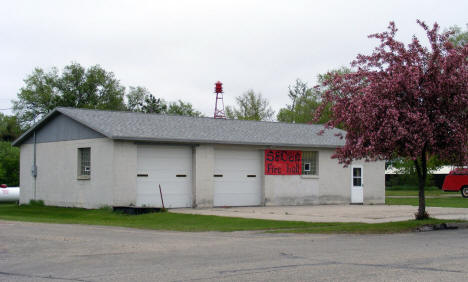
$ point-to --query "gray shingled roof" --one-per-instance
(168, 128)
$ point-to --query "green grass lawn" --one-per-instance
(364, 228)
(187, 222)
(415, 193)
(159, 221)
(440, 200)
(458, 202)
(410, 188)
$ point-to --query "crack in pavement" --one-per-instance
(245, 271)
(41, 276)
(394, 266)
(255, 270)
(105, 254)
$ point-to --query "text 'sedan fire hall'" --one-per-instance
(283, 162)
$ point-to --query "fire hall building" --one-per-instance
(92, 158)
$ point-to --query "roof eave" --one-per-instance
(198, 141)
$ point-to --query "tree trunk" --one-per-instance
(421, 169)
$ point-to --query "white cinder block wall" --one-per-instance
(57, 166)
(113, 177)
(334, 180)
(203, 166)
(331, 186)
(125, 173)
(283, 190)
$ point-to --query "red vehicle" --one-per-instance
(457, 180)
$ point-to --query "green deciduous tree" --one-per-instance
(9, 128)
(153, 105)
(2, 173)
(406, 169)
(408, 101)
(92, 88)
(9, 156)
(139, 99)
(458, 37)
(9, 164)
(75, 86)
(304, 101)
(136, 98)
(182, 109)
(250, 106)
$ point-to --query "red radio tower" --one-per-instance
(219, 112)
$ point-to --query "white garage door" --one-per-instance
(170, 166)
(237, 178)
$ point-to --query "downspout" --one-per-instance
(34, 167)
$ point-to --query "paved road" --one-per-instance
(50, 252)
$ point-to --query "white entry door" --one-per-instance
(237, 178)
(168, 166)
(357, 183)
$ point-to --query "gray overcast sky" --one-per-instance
(179, 49)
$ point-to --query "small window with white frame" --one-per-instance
(84, 163)
(310, 163)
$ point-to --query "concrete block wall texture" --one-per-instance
(285, 190)
(203, 173)
(26, 179)
(334, 179)
(113, 177)
(57, 183)
(124, 173)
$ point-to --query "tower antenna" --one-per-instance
(219, 105)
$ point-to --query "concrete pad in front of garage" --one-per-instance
(331, 213)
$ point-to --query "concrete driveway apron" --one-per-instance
(331, 213)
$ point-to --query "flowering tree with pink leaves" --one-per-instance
(406, 101)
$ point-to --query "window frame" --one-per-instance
(81, 166)
(313, 171)
(357, 177)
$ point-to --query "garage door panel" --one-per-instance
(166, 156)
(164, 163)
(244, 172)
(237, 190)
(168, 166)
(169, 187)
(167, 152)
(247, 164)
(233, 186)
(165, 175)
(227, 184)
(236, 178)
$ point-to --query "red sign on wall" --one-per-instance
(283, 162)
